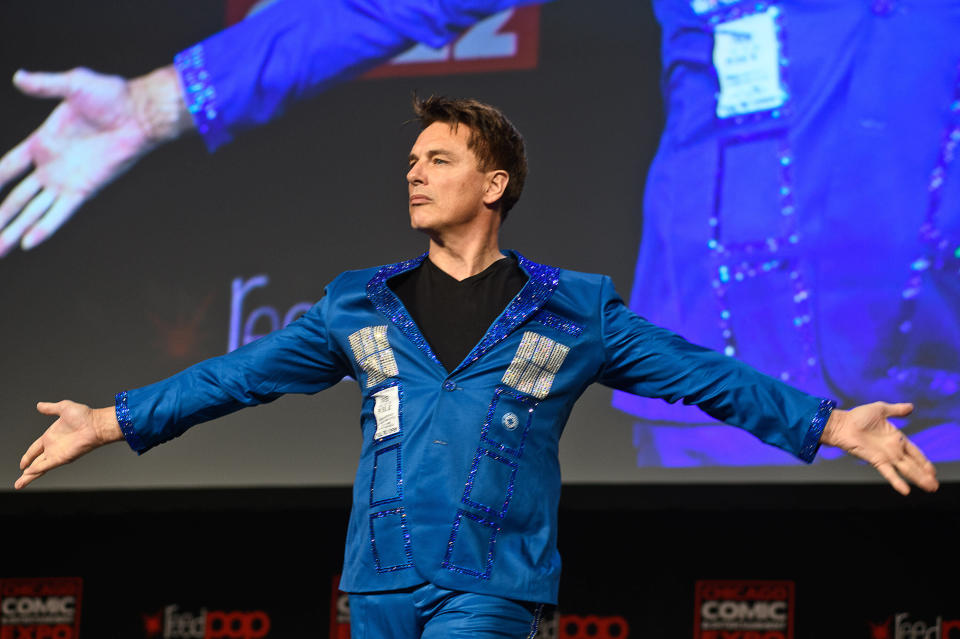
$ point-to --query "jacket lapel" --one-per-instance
(542, 280)
(387, 302)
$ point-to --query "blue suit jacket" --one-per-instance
(458, 480)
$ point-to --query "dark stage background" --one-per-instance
(856, 557)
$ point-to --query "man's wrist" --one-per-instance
(830, 435)
(108, 428)
(159, 106)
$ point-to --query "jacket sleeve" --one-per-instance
(647, 360)
(300, 358)
(249, 73)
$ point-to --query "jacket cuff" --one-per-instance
(811, 442)
(126, 424)
(201, 96)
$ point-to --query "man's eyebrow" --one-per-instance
(431, 153)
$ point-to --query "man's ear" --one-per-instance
(496, 186)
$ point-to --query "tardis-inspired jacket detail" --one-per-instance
(458, 481)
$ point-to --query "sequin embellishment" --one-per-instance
(386, 301)
(561, 324)
(535, 364)
(479, 528)
(389, 489)
(201, 96)
(811, 443)
(939, 258)
(126, 423)
(543, 281)
(406, 561)
(373, 353)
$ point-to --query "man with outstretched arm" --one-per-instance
(469, 360)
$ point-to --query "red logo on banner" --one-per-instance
(727, 609)
(174, 623)
(506, 41)
(40, 608)
(903, 626)
(590, 627)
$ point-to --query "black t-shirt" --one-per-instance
(454, 315)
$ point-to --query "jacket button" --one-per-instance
(449, 385)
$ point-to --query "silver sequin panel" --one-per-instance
(374, 354)
(534, 366)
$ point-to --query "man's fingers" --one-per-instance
(16, 161)
(888, 472)
(914, 452)
(897, 410)
(921, 471)
(33, 212)
(44, 85)
(61, 211)
(25, 479)
(50, 408)
(36, 448)
(19, 197)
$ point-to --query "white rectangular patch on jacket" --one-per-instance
(535, 364)
(387, 412)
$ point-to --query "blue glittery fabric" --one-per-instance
(811, 443)
(555, 321)
(200, 95)
(543, 280)
(122, 410)
(453, 563)
(387, 302)
(292, 50)
(818, 243)
(465, 495)
(407, 561)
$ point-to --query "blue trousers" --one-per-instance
(429, 612)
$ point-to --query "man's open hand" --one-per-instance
(865, 432)
(78, 430)
(101, 127)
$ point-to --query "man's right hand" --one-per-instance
(102, 126)
(78, 430)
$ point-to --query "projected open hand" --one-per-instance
(78, 430)
(89, 139)
(865, 432)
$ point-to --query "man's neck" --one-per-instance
(461, 260)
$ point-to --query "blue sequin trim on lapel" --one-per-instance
(386, 301)
(542, 282)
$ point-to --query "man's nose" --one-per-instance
(415, 174)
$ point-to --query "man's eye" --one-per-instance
(439, 161)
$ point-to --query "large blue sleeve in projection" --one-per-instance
(249, 73)
(803, 210)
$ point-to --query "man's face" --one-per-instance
(445, 184)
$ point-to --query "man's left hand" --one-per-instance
(865, 432)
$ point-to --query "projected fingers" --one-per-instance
(61, 211)
(15, 162)
(19, 197)
(896, 410)
(42, 84)
(31, 214)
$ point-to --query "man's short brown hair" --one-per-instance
(493, 138)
